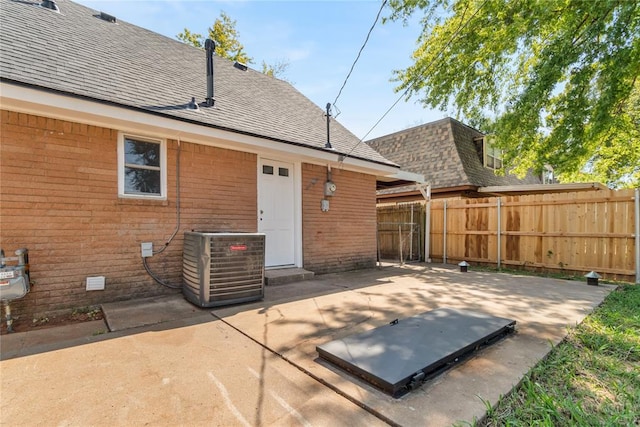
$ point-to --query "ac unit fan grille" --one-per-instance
(236, 267)
(223, 268)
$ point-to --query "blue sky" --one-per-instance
(320, 41)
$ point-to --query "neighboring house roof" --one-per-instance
(445, 153)
(76, 53)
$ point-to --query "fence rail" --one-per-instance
(577, 231)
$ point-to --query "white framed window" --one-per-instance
(142, 167)
(492, 155)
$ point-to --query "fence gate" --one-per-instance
(400, 232)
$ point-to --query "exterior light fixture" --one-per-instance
(592, 278)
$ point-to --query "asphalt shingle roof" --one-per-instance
(75, 52)
(445, 153)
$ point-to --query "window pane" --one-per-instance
(283, 171)
(141, 181)
(268, 170)
(141, 153)
(490, 162)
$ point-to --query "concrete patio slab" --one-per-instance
(544, 309)
(148, 311)
(257, 365)
(204, 374)
(24, 343)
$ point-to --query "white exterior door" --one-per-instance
(276, 211)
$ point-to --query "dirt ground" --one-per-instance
(26, 323)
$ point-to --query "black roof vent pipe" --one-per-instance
(209, 47)
(240, 66)
(107, 17)
(50, 4)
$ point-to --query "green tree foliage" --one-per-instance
(228, 45)
(224, 33)
(226, 36)
(556, 81)
(194, 39)
(278, 69)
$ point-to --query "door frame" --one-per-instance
(297, 205)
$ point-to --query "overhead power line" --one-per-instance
(359, 53)
(446, 45)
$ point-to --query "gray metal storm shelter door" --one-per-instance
(400, 356)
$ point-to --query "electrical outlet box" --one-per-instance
(329, 188)
(147, 249)
(324, 205)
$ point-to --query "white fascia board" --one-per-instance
(409, 176)
(27, 100)
(541, 188)
(401, 175)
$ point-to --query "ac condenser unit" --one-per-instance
(223, 268)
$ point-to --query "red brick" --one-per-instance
(59, 199)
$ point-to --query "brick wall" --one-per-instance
(59, 198)
(344, 238)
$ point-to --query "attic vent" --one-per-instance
(240, 66)
(107, 17)
(51, 5)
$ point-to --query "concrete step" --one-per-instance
(280, 276)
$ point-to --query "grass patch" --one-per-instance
(592, 378)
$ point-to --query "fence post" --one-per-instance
(411, 236)
(499, 236)
(444, 235)
(637, 215)
(378, 243)
(400, 243)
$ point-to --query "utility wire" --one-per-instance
(453, 37)
(384, 2)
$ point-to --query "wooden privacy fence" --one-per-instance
(574, 232)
